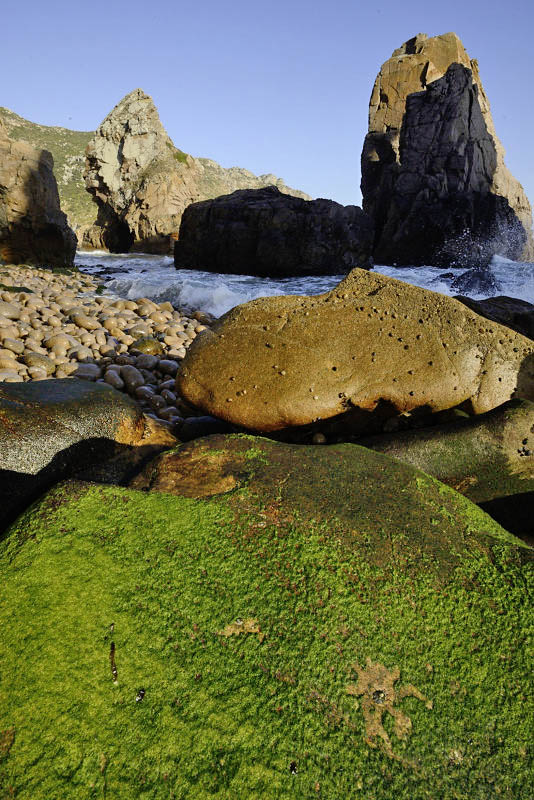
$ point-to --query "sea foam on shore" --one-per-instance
(133, 275)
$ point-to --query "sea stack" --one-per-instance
(33, 229)
(139, 179)
(142, 183)
(433, 174)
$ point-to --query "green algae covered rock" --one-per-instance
(489, 459)
(252, 644)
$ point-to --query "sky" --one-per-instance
(280, 86)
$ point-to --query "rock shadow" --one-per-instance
(40, 235)
(97, 459)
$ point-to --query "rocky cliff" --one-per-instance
(68, 150)
(33, 229)
(142, 183)
(414, 68)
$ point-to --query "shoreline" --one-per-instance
(58, 324)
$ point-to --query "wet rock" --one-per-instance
(50, 428)
(267, 233)
(41, 361)
(267, 364)
(148, 345)
(88, 372)
(132, 377)
(476, 281)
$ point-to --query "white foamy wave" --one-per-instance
(135, 275)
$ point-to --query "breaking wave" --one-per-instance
(135, 275)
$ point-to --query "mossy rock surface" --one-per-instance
(245, 645)
(489, 459)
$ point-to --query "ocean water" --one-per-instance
(134, 275)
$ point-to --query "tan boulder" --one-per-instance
(284, 361)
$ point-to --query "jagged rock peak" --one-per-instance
(135, 115)
(139, 179)
(412, 68)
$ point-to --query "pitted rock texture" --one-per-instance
(413, 68)
(510, 311)
(33, 229)
(142, 183)
(372, 341)
(264, 232)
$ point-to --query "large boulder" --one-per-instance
(371, 342)
(433, 174)
(53, 428)
(264, 232)
(301, 635)
(33, 229)
(489, 459)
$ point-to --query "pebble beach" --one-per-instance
(58, 325)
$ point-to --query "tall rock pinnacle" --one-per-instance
(142, 183)
(140, 180)
(433, 173)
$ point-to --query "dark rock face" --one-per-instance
(264, 232)
(433, 159)
(509, 311)
(442, 210)
(33, 229)
(478, 280)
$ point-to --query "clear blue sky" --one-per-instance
(281, 86)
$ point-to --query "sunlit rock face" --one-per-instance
(33, 229)
(370, 343)
(139, 179)
(433, 174)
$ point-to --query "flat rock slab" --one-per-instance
(279, 362)
(252, 644)
(50, 428)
